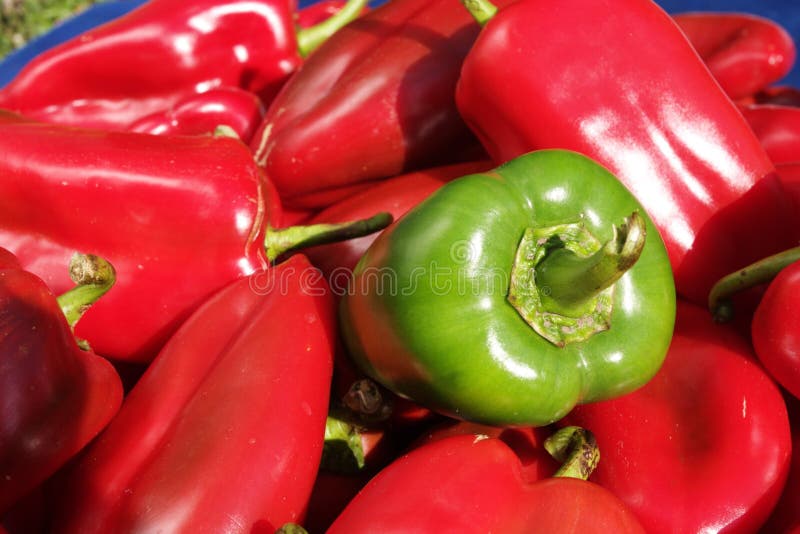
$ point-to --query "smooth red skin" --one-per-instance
(785, 517)
(776, 329)
(617, 81)
(179, 217)
(470, 483)
(778, 129)
(147, 60)
(200, 114)
(55, 397)
(224, 431)
(526, 442)
(332, 492)
(790, 179)
(705, 445)
(30, 515)
(375, 100)
(745, 53)
(394, 195)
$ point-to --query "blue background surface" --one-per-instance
(786, 12)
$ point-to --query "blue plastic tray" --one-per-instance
(787, 13)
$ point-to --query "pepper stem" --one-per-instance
(364, 398)
(576, 449)
(562, 280)
(571, 280)
(342, 450)
(760, 272)
(291, 528)
(94, 276)
(279, 241)
(309, 39)
(481, 10)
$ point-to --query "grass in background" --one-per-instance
(21, 20)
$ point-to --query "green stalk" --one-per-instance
(94, 276)
(571, 280)
(760, 272)
(282, 240)
(576, 449)
(342, 450)
(481, 10)
(309, 39)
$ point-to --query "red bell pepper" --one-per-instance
(395, 196)
(790, 178)
(179, 217)
(224, 431)
(55, 395)
(775, 325)
(705, 445)
(374, 101)
(202, 113)
(745, 53)
(778, 129)
(528, 443)
(153, 56)
(785, 518)
(630, 92)
(473, 483)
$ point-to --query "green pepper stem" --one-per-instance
(568, 280)
(291, 528)
(481, 10)
(576, 449)
(279, 241)
(94, 276)
(309, 39)
(760, 272)
(342, 450)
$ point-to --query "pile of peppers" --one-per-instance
(415, 266)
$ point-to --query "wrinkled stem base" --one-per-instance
(562, 281)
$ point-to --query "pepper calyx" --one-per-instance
(93, 277)
(576, 448)
(563, 278)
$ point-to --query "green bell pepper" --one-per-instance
(508, 297)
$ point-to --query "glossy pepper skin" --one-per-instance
(652, 114)
(224, 431)
(745, 53)
(202, 113)
(394, 195)
(703, 446)
(148, 59)
(775, 327)
(777, 128)
(473, 484)
(790, 178)
(149, 205)
(55, 396)
(785, 518)
(428, 313)
(375, 100)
